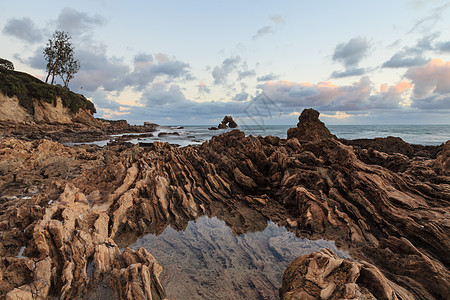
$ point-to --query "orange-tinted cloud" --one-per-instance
(328, 96)
(433, 77)
(431, 84)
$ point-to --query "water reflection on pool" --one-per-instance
(207, 261)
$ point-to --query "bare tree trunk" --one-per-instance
(52, 71)
(48, 76)
(53, 77)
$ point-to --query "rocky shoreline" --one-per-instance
(87, 130)
(67, 211)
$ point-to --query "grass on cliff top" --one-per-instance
(29, 89)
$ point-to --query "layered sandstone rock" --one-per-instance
(323, 275)
(11, 110)
(64, 241)
(43, 112)
(388, 210)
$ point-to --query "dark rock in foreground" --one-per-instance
(68, 210)
(168, 133)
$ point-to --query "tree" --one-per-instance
(59, 57)
(6, 64)
(69, 70)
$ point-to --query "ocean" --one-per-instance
(196, 134)
(413, 134)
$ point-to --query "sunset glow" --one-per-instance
(190, 63)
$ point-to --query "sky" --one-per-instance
(263, 62)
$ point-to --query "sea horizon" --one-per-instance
(185, 135)
(414, 134)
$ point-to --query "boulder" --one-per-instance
(309, 127)
(227, 122)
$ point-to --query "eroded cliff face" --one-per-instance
(66, 212)
(11, 112)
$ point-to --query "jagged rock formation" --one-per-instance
(65, 237)
(72, 206)
(227, 122)
(323, 275)
(309, 127)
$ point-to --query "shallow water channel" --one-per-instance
(207, 261)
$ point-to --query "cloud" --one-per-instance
(339, 115)
(160, 94)
(350, 55)
(327, 96)
(413, 56)
(229, 65)
(348, 73)
(23, 29)
(243, 96)
(431, 85)
(113, 74)
(100, 99)
(36, 61)
(77, 23)
(147, 69)
(98, 70)
(404, 59)
(301, 91)
(352, 52)
(434, 102)
(427, 23)
(162, 100)
(433, 77)
(246, 73)
(265, 30)
(391, 96)
(269, 29)
(426, 42)
(268, 77)
(277, 18)
(443, 46)
(202, 88)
